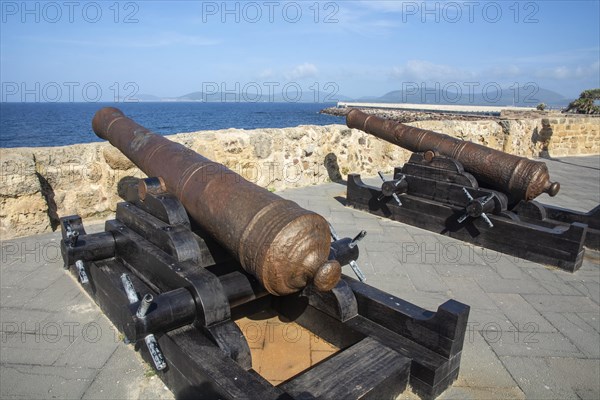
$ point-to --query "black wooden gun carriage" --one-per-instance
(174, 286)
(475, 194)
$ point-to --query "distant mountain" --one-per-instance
(491, 96)
(289, 97)
(528, 96)
(310, 96)
(147, 97)
(194, 96)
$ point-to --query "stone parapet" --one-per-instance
(37, 185)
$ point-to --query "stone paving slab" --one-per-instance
(533, 332)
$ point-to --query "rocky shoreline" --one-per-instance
(408, 116)
(405, 116)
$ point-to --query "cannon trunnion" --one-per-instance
(175, 292)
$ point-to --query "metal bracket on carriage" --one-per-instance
(478, 207)
(393, 187)
(345, 251)
(142, 310)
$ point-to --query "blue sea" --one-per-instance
(60, 124)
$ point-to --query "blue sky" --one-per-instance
(358, 48)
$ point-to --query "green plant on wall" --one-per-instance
(585, 103)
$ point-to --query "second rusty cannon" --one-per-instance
(474, 193)
(521, 178)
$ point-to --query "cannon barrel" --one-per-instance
(283, 245)
(517, 176)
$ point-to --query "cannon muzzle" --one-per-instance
(519, 177)
(283, 245)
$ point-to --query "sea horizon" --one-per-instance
(38, 124)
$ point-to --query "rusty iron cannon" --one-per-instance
(520, 177)
(194, 249)
(277, 241)
(473, 193)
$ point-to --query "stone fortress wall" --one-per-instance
(39, 185)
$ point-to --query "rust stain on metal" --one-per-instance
(285, 246)
(518, 176)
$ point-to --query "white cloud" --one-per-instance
(363, 21)
(426, 71)
(592, 71)
(563, 72)
(573, 55)
(302, 71)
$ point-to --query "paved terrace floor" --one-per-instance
(534, 331)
